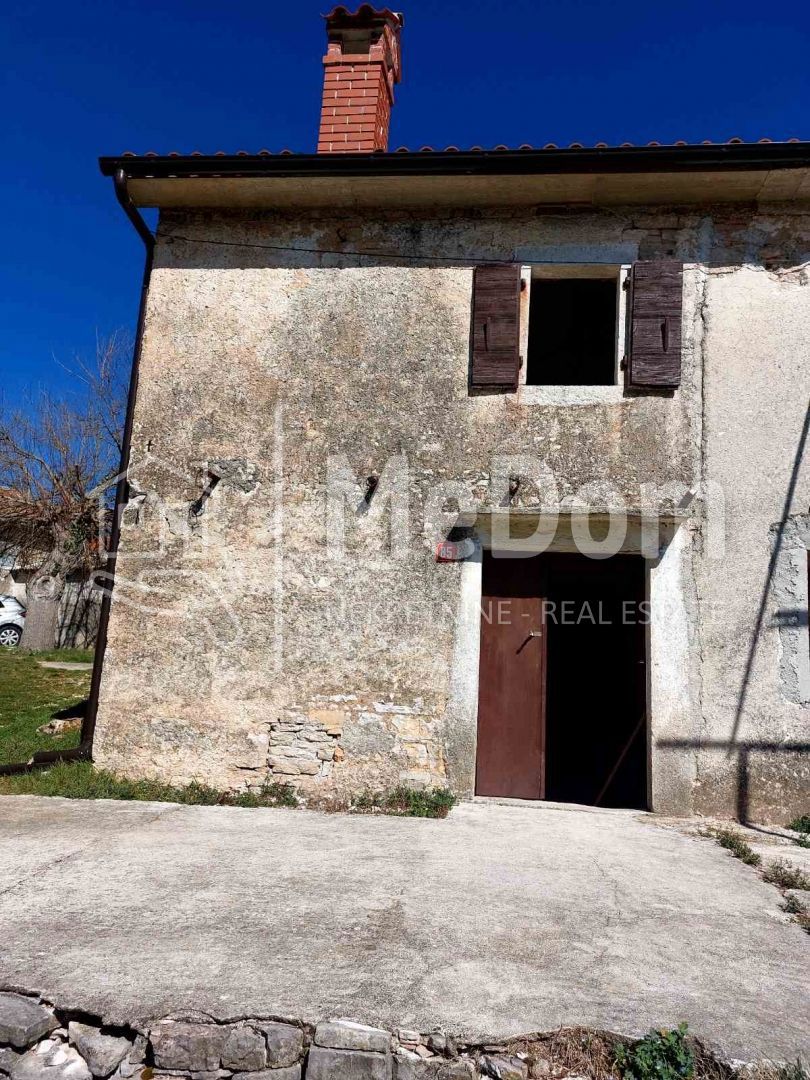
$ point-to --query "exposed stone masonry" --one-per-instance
(40, 1042)
(399, 743)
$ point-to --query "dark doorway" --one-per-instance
(562, 688)
(596, 735)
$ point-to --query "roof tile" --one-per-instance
(500, 148)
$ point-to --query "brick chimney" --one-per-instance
(361, 67)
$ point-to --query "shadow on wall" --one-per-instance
(78, 626)
(740, 762)
(776, 551)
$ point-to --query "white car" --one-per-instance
(12, 621)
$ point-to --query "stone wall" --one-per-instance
(240, 646)
(40, 1042)
(389, 743)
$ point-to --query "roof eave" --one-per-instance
(569, 160)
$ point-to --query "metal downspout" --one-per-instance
(122, 487)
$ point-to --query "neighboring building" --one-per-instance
(78, 610)
(402, 348)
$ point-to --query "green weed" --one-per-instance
(793, 906)
(734, 843)
(784, 875)
(660, 1055)
(434, 802)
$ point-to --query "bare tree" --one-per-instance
(58, 458)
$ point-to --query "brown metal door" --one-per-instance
(511, 694)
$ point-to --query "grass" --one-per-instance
(784, 875)
(731, 840)
(80, 780)
(30, 694)
(66, 656)
(408, 802)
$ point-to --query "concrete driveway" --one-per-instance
(499, 921)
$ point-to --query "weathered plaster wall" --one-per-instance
(237, 639)
(755, 690)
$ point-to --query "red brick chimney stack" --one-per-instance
(361, 68)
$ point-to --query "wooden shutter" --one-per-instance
(655, 324)
(496, 328)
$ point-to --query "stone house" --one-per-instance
(479, 468)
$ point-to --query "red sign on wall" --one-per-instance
(454, 550)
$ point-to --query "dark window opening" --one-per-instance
(572, 332)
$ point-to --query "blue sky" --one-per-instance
(97, 77)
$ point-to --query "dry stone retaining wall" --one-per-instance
(41, 1042)
(38, 1042)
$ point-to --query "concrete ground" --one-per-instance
(500, 920)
